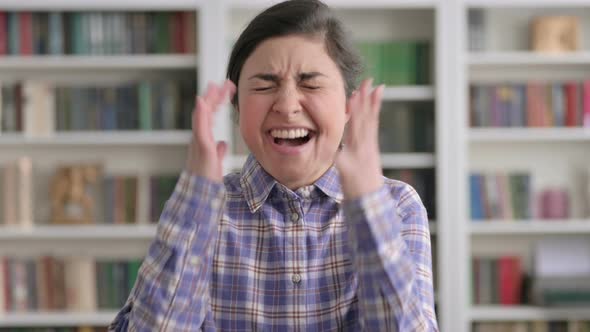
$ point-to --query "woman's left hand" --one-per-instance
(359, 161)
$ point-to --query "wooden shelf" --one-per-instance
(533, 135)
(525, 58)
(100, 138)
(78, 232)
(44, 319)
(118, 62)
(518, 227)
(526, 313)
(408, 93)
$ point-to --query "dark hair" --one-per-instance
(298, 17)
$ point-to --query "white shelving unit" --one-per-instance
(550, 154)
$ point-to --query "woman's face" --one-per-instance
(292, 108)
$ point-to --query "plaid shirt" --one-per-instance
(252, 255)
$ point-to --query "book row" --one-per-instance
(38, 108)
(397, 62)
(536, 326)
(500, 196)
(512, 196)
(97, 33)
(81, 194)
(534, 104)
(71, 284)
(497, 280)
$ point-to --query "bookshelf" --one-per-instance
(145, 153)
(553, 156)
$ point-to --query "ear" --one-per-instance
(348, 110)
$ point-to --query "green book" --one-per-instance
(13, 33)
(402, 60)
(111, 290)
(133, 270)
(163, 35)
(77, 33)
(130, 199)
(423, 63)
(145, 105)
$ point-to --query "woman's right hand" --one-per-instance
(205, 156)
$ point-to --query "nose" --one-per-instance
(288, 100)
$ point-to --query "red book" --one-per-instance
(7, 283)
(3, 34)
(571, 103)
(586, 116)
(177, 37)
(510, 280)
(26, 33)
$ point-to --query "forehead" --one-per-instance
(290, 53)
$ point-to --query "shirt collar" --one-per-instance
(257, 184)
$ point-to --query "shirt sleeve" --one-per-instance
(391, 252)
(172, 287)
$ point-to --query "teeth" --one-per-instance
(289, 133)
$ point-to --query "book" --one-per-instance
(476, 24)
(80, 279)
(39, 109)
(3, 33)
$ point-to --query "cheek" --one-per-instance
(253, 110)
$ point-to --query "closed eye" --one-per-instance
(263, 89)
(311, 87)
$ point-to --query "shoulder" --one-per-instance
(405, 195)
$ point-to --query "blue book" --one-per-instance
(108, 116)
(56, 33)
(476, 197)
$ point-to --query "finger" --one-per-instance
(376, 97)
(202, 129)
(212, 95)
(365, 95)
(229, 89)
(221, 150)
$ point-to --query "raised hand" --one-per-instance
(205, 156)
(359, 161)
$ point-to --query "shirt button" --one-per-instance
(296, 278)
(194, 261)
(295, 217)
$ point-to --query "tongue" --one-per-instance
(290, 142)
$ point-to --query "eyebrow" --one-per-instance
(275, 78)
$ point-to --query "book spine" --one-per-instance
(26, 33)
(586, 116)
(571, 119)
(56, 35)
(3, 33)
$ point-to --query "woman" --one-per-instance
(309, 236)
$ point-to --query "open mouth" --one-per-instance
(291, 138)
